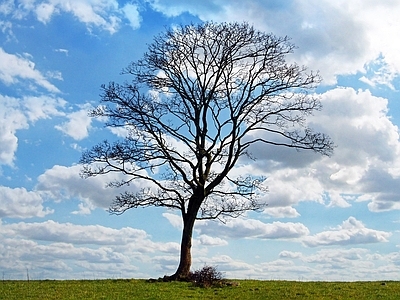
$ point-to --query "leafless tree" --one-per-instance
(199, 98)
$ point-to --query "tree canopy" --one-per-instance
(196, 102)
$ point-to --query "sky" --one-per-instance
(328, 218)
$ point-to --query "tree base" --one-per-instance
(176, 277)
(170, 278)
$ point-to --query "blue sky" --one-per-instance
(331, 218)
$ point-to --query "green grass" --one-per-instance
(247, 289)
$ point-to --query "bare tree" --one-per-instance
(198, 100)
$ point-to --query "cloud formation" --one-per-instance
(350, 232)
(20, 203)
(49, 246)
(17, 68)
(251, 228)
(75, 234)
(365, 165)
(78, 124)
(337, 38)
(63, 183)
(17, 114)
(104, 14)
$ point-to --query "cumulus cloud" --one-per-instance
(74, 234)
(103, 14)
(20, 203)
(340, 257)
(356, 119)
(14, 68)
(43, 107)
(6, 6)
(78, 124)
(350, 232)
(379, 73)
(207, 240)
(282, 212)
(132, 14)
(366, 160)
(11, 120)
(20, 113)
(241, 228)
(365, 165)
(290, 254)
(62, 183)
(225, 263)
(177, 7)
(289, 186)
(336, 38)
(17, 114)
(174, 220)
(50, 246)
(251, 228)
(330, 264)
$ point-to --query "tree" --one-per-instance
(199, 98)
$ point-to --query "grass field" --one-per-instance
(246, 289)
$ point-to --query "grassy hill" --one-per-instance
(242, 289)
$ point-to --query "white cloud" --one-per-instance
(290, 254)
(44, 11)
(6, 6)
(383, 74)
(61, 50)
(225, 263)
(132, 14)
(337, 200)
(174, 220)
(331, 264)
(78, 124)
(336, 38)
(62, 183)
(13, 68)
(121, 132)
(49, 247)
(103, 14)
(251, 228)
(345, 264)
(177, 7)
(366, 161)
(6, 28)
(11, 120)
(74, 234)
(17, 114)
(20, 203)
(282, 212)
(43, 107)
(84, 208)
(289, 186)
(207, 240)
(356, 119)
(350, 232)
(340, 257)
(365, 165)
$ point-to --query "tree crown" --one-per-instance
(199, 98)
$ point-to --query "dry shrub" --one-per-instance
(206, 277)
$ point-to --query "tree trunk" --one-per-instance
(182, 273)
